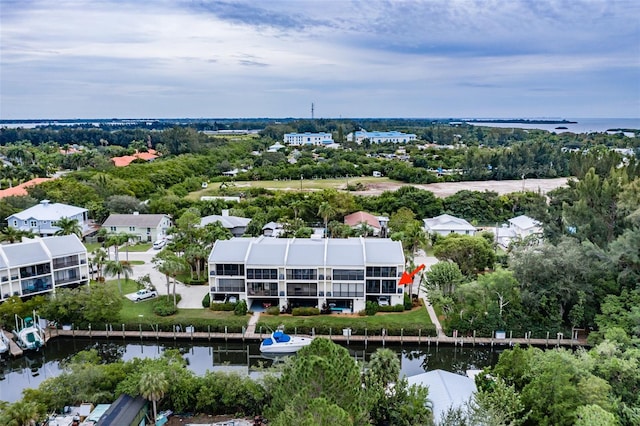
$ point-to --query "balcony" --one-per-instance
(227, 289)
(348, 294)
(270, 293)
(60, 265)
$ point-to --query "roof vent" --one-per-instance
(45, 202)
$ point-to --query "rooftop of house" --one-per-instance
(226, 221)
(140, 220)
(355, 219)
(524, 222)
(21, 190)
(446, 389)
(125, 160)
(47, 210)
(447, 222)
(39, 250)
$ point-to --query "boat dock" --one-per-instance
(14, 349)
(342, 337)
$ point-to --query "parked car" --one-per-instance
(383, 301)
(145, 294)
(157, 245)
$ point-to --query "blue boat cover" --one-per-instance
(280, 337)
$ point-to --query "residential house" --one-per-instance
(40, 265)
(144, 227)
(341, 273)
(381, 137)
(446, 224)
(357, 219)
(41, 218)
(446, 390)
(518, 228)
(21, 190)
(126, 411)
(272, 229)
(125, 160)
(316, 139)
(237, 225)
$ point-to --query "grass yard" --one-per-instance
(137, 248)
(92, 246)
(410, 322)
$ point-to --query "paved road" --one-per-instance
(192, 295)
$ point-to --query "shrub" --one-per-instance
(273, 310)
(407, 302)
(370, 308)
(394, 308)
(222, 306)
(240, 308)
(206, 300)
(164, 306)
(305, 312)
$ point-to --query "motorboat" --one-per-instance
(29, 336)
(4, 343)
(281, 343)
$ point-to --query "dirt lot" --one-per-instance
(449, 188)
(205, 419)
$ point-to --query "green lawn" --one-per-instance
(136, 248)
(409, 322)
(92, 246)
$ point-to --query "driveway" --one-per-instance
(192, 295)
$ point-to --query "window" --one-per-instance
(33, 223)
(348, 290)
(229, 269)
(112, 228)
(348, 274)
(389, 286)
(262, 274)
(132, 228)
(230, 285)
(15, 223)
(373, 286)
(302, 289)
(302, 274)
(382, 271)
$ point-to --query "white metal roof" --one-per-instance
(48, 211)
(383, 251)
(64, 245)
(26, 253)
(446, 222)
(446, 389)
(228, 222)
(524, 222)
(267, 251)
(306, 252)
(233, 250)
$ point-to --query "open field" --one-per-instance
(375, 186)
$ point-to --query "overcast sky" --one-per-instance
(272, 58)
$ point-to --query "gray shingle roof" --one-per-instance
(140, 220)
(446, 222)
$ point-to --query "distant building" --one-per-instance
(381, 137)
(355, 221)
(41, 265)
(21, 190)
(41, 218)
(316, 139)
(125, 160)
(446, 224)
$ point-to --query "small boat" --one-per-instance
(4, 343)
(281, 343)
(28, 336)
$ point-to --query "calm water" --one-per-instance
(583, 125)
(30, 370)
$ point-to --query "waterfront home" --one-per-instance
(341, 273)
(237, 225)
(40, 265)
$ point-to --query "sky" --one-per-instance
(65, 59)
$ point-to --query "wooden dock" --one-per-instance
(14, 349)
(376, 339)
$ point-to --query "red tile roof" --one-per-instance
(356, 218)
(21, 190)
(125, 160)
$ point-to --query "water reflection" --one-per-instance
(30, 370)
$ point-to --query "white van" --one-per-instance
(157, 245)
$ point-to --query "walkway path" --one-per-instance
(251, 326)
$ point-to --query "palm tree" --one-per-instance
(68, 226)
(116, 268)
(364, 229)
(116, 240)
(325, 211)
(153, 385)
(21, 413)
(98, 260)
(13, 235)
(170, 265)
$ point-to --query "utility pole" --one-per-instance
(312, 110)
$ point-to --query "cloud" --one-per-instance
(384, 58)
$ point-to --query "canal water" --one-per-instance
(31, 369)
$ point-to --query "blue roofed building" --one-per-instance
(381, 137)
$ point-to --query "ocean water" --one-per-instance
(583, 125)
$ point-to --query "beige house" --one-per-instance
(145, 227)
